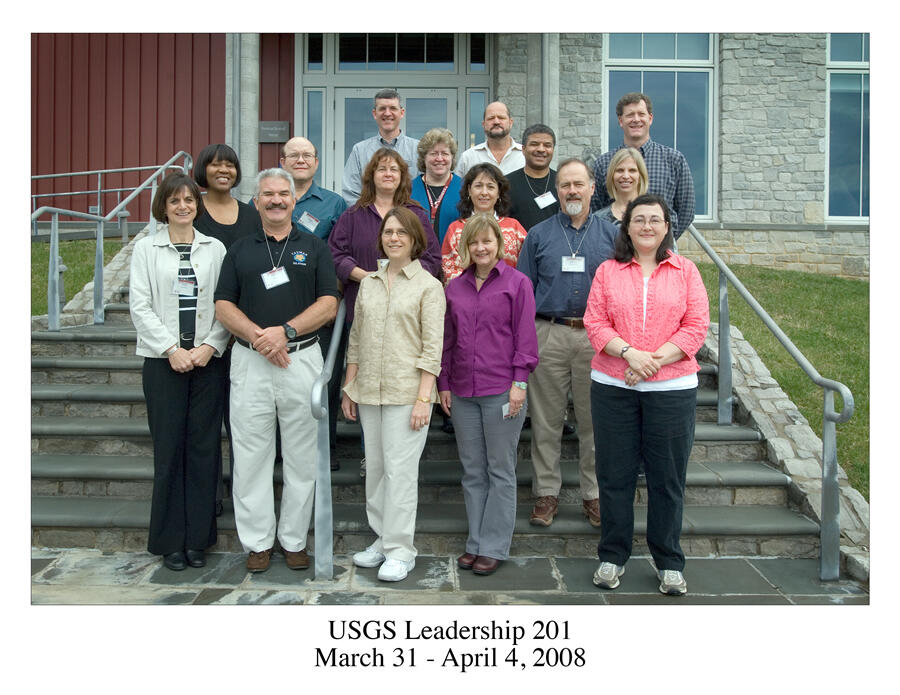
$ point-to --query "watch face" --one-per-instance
(289, 331)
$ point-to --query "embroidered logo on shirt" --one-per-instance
(299, 257)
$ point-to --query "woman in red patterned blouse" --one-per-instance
(484, 189)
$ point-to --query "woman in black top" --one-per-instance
(227, 219)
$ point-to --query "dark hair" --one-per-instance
(535, 129)
(170, 185)
(404, 188)
(411, 224)
(388, 94)
(624, 250)
(465, 205)
(633, 98)
(211, 153)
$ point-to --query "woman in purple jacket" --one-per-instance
(490, 348)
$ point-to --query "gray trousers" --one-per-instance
(487, 446)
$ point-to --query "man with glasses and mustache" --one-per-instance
(560, 256)
(276, 289)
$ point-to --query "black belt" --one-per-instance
(570, 322)
(186, 340)
(291, 346)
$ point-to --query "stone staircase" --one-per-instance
(92, 470)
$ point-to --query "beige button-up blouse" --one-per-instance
(395, 333)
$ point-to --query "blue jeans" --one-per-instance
(629, 426)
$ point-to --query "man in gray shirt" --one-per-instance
(387, 113)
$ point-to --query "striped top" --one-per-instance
(187, 292)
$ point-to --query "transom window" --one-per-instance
(676, 72)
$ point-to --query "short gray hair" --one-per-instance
(274, 173)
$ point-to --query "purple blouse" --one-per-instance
(354, 242)
(489, 336)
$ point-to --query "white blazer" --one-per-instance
(154, 301)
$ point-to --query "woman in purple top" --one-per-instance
(354, 240)
(490, 348)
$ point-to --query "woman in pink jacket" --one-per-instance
(647, 316)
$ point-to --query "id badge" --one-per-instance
(308, 221)
(184, 287)
(275, 277)
(545, 199)
(573, 264)
(505, 411)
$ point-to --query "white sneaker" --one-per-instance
(362, 468)
(368, 557)
(672, 582)
(395, 570)
(607, 575)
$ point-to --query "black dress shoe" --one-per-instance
(195, 558)
(447, 426)
(175, 561)
(219, 508)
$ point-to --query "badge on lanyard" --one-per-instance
(275, 277)
(545, 199)
(573, 264)
(308, 221)
(184, 287)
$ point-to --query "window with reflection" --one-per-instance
(398, 52)
(676, 72)
(848, 125)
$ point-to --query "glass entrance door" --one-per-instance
(425, 109)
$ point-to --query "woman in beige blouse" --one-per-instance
(393, 360)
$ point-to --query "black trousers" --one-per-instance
(185, 416)
(658, 428)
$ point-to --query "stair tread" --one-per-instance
(132, 362)
(90, 334)
(446, 472)
(737, 520)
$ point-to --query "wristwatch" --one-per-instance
(624, 350)
(289, 331)
(521, 384)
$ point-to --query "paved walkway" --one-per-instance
(85, 576)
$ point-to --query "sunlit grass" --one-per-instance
(78, 257)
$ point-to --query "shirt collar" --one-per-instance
(393, 142)
(409, 270)
(161, 236)
(501, 267)
(672, 259)
(312, 191)
(483, 146)
(294, 233)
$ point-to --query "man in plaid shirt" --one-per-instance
(667, 169)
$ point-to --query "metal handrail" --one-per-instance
(53, 301)
(324, 519)
(830, 527)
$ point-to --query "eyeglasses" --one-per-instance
(294, 156)
(643, 221)
(402, 233)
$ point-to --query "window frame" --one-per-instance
(842, 67)
(709, 66)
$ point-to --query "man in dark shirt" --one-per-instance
(276, 289)
(533, 187)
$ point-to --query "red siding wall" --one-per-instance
(276, 89)
(102, 101)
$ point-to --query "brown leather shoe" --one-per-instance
(544, 510)
(591, 509)
(485, 565)
(259, 562)
(465, 561)
(296, 560)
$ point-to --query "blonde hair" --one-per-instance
(475, 225)
(619, 157)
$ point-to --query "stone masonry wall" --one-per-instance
(511, 59)
(580, 93)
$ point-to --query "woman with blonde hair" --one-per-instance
(490, 348)
(626, 179)
(437, 189)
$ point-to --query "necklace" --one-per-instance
(528, 180)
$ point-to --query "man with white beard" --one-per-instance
(560, 256)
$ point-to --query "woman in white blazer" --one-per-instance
(173, 277)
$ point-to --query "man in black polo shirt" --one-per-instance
(532, 189)
(276, 288)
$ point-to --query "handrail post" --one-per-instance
(99, 317)
(152, 196)
(830, 531)
(53, 276)
(725, 402)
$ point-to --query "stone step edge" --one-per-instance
(63, 426)
(441, 518)
(435, 472)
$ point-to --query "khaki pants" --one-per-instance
(565, 363)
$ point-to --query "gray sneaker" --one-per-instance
(672, 582)
(607, 575)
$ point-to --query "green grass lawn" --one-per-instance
(78, 257)
(827, 318)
